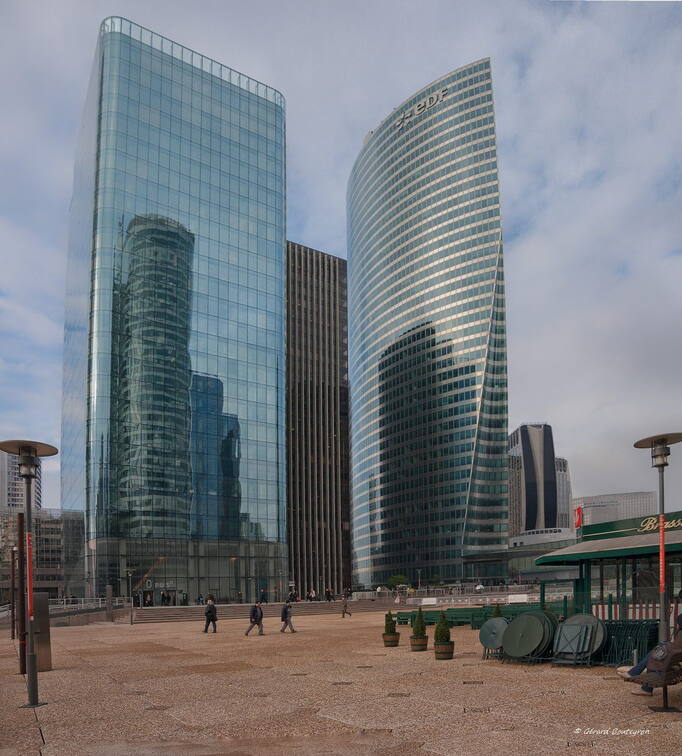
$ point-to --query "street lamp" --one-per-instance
(29, 453)
(130, 593)
(660, 450)
(419, 578)
(14, 591)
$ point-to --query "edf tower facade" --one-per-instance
(427, 351)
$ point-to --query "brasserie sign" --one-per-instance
(631, 526)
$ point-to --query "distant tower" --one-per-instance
(539, 483)
(12, 485)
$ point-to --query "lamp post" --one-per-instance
(419, 578)
(29, 453)
(660, 451)
(130, 593)
(14, 592)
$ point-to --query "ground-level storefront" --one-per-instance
(618, 565)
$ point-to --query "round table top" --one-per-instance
(523, 636)
(492, 631)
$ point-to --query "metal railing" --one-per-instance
(80, 604)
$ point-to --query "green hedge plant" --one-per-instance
(389, 624)
(442, 632)
(418, 626)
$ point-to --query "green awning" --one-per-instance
(611, 548)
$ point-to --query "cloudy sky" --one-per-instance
(589, 108)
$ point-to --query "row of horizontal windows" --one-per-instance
(421, 257)
(450, 263)
(122, 59)
(369, 249)
(412, 188)
(365, 177)
(451, 233)
(433, 208)
(394, 405)
(486, 432)
(461, 355)
(412, 133)
(387, 133)
(412, 200)
(424, 282)
(438, 298)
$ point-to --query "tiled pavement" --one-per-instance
(329, 689)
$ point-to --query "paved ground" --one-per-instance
(329, 689)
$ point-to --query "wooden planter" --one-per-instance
(419, 642)
(391, 640)
(444, 650)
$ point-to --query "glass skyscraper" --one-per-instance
(174, 370)
(427, 357)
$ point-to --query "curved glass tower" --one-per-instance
(428, 359)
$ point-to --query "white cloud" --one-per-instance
(587, 100)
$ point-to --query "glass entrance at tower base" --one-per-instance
(230, 571)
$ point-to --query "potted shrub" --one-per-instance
(419, 640)
(390, 636)
(443, 647)
(497, 612)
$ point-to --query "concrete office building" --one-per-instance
(539, 482)
(12, 485)
(173, 436)
(564, 518)
(427, 356)
(318, 494)
(617, 506)
(58, 547)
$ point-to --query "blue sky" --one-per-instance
(588, 105)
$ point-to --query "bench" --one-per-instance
(664, 668)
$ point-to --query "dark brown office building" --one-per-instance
(318, 498)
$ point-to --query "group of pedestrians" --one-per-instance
(256, 616)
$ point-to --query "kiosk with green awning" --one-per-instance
(621, 559)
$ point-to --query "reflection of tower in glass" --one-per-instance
(153, 434)
(216, 453)
(425, 416)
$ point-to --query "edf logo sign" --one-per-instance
(421, 107)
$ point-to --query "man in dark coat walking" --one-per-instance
(256, 618)
(286, 618)
(211, 615)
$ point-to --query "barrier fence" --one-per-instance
(639, 611)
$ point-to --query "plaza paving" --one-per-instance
(332, 688)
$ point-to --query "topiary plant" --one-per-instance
(442, 632)
(389, 624)
(497, 612)
(418, 626)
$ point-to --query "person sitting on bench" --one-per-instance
(629, 672)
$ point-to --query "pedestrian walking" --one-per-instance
(211, 615)
(263, 597)
(286, 618)
(344, 609)
(256, 618)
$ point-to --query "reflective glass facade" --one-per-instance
(427, 355)
(173, 411)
